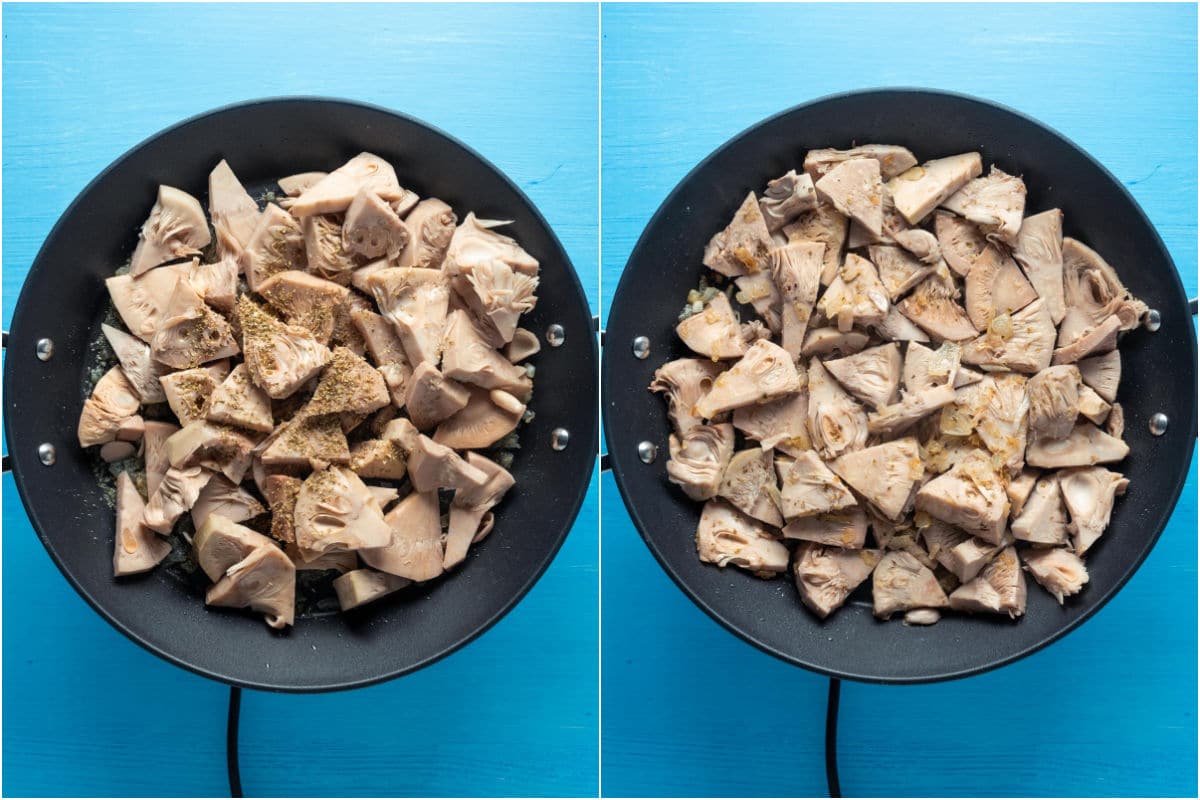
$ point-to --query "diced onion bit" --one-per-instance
(955, 422)
(1002, 326)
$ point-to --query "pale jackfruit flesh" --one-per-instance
(904, 355)
(269, 391)
(176, 228)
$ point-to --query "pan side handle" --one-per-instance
(605, 465)
(7, 465)
(1192, 311)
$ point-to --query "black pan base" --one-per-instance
(64, 299)
(1159, 376)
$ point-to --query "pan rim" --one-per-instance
(22, 461)
(618, 462)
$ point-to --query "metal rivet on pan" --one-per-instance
(559, 438)
(1158, 424)
(46, 454)
(647, 452)
(1153, 320)
(555, 335)
(44, 349)
(641, 347)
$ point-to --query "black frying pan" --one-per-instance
(64, 300)
(1159, 377)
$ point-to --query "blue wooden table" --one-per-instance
(1111, 709)
(87, 712)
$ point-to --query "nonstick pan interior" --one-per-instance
(64, 299)
(1159, 377)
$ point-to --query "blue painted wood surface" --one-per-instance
(87, 712)
(690, 710)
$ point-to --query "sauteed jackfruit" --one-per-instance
(898, 347)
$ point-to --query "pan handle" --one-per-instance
(7, 465)
(605, 466)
